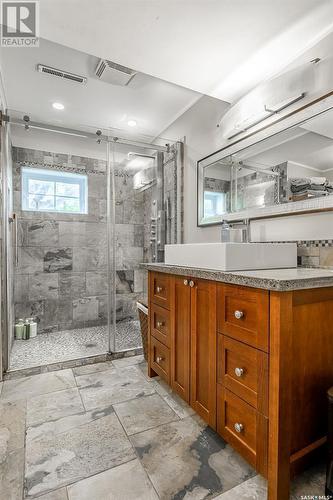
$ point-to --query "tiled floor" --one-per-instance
(108, 432)
(48, 348)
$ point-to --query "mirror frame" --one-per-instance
(260, 134)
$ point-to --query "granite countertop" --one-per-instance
(267, 279)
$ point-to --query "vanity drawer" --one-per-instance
(244, 371)
(160, 324)
(160, 359)
(243, 427)
(160, 289)
(243, 313)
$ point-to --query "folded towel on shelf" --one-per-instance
(309, 193)
(302, 185)
(317, 192)
(320, 181)
(329, 186)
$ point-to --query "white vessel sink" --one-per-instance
(232, 256)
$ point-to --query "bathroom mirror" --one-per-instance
(285, 168)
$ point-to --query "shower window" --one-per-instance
(50, 191)
(214, 204)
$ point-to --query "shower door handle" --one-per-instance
(14, 220)
(161, 230)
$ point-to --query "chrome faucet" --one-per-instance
(237, 232)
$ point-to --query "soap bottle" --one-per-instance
(225, 231)
(19, 329)
(32, 328)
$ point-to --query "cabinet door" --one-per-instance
(180, 337)
(203, 350)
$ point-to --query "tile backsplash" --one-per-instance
(315, 253)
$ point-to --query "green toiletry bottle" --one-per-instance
(26, 334)
(19, 329)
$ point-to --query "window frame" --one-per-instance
(49, 175)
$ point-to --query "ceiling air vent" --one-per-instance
(114, 73)
(61, 74)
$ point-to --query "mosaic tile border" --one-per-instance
(70, 168)
(309, 243)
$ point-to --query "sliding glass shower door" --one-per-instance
(127, 212)
(143, 217)
(61, 248)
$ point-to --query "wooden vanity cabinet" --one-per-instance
(203, 350)
(254, 364)
(242, 364)
(180, 339)
(192, 348)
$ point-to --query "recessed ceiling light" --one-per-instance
(58, 105)
(131, 123)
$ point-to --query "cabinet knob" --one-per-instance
(238, 427)
(159, 324)
(159, 289)
(185, 282)
(159, 359)
(239, 372)
(191, 283)
(238, 314)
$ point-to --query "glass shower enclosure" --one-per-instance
(87, 210)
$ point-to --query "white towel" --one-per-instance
(317, 180)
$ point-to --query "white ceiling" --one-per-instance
(152, 102)
(219, 47)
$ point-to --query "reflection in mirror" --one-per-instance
(254, 186)
(293, 165)
(217, 190)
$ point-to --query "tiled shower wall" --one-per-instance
(61, 272)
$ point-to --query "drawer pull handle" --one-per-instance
(159, 359)
(159, 289)
(239, 314)
(191, 284)
(239, 372)
(159, 324)
(185, 282)
(238, 427)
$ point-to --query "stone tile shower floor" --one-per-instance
(55, 347)
(140, 441)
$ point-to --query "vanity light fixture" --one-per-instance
(58, 105)
(252, 120)
(268, 111)
(275, 108)
(248, 123)
(132, 123)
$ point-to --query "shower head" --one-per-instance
(132, 155)
(139, 161)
